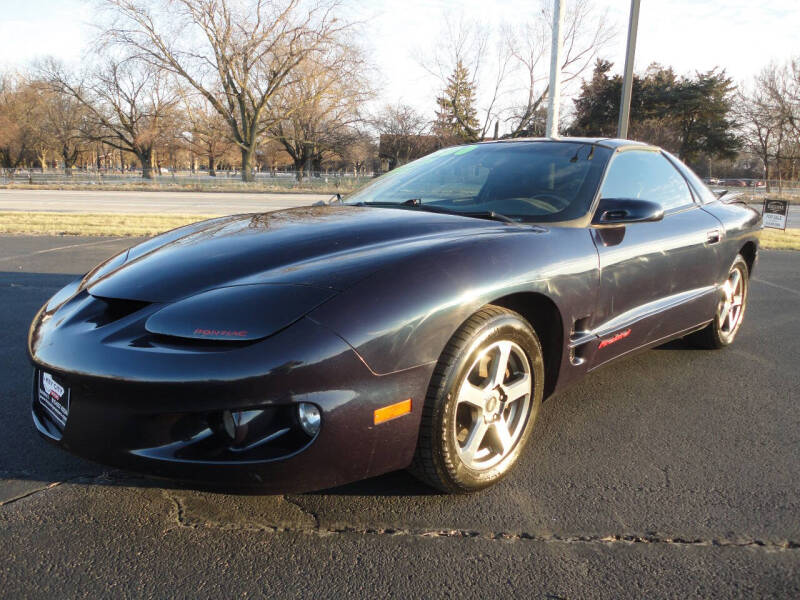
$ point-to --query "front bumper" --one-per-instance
(148, 408)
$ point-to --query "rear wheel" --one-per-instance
(730, 311)
(481, 404)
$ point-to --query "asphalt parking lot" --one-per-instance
(673, 473)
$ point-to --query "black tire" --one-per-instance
(437, 461)
(714, 336)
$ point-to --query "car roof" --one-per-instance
(613, 143)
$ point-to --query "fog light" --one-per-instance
(309, 417)
(224, 423)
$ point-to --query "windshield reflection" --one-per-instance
(537, 181)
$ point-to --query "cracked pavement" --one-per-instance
(673, 473)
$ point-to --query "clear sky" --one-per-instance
(740, 35)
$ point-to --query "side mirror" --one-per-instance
(620, 211)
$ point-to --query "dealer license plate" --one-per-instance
(54, 398)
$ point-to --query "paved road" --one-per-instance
(190, 203)
(673, 473)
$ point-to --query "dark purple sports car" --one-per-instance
(418, 323)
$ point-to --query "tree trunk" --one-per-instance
(146, 158)
(69, 160)
(247, 160)
(212, 165)
(300, 168)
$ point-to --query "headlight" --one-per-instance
(237, 312)
(309, 417)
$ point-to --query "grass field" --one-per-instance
(52, 223)
(286, 186)
(781, 240)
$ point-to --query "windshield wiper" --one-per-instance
(337, 197)
(417, 203)
(488, 214)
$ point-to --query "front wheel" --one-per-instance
(483, 398)
(730, 311)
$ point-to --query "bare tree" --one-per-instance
(776, 106)
(65, 119)
(511, 73)
(404, 134)
(206, 132)
(36, 96)
(781, 84)
(760, 124)
(321, 107)
(271, 154)
(467, 45)
(359, 151)
(17, 125)
(586, 33)
(238, 55)
(129, 105)
(400, 119)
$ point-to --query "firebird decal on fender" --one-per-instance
(615, 338)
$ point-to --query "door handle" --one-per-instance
(713, 236)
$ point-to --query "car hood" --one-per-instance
(326, 247)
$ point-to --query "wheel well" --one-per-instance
(748, 252)
(543, 315)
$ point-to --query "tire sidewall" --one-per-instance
(500, 327)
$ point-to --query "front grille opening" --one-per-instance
(259, 434)
(114, 309)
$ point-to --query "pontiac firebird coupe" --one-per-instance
(418, 323)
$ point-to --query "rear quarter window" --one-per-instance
(701, 190)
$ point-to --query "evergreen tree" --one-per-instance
(690, 116)
(456, 116)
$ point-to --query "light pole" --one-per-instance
(627, 80)
(554, 91)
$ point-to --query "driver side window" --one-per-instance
(646, 175)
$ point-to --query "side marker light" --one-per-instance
(387, 413)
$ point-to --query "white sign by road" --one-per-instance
(775, 212)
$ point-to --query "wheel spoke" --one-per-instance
(503, 435)
(501, 363)
(474, 440)
(727, 289)
(729, 319)
(723, 315)
(517, 388)
(735, 280)
(472, 395)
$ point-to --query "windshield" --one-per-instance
(526, 181)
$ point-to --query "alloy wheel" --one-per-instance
(493, 405)
(731, 306)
